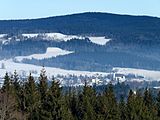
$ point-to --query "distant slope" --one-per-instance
(135, 41)
(84, 23)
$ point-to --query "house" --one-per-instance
(96, 81)
(119, 77)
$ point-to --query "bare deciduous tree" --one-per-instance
(8, 107)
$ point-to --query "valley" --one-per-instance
(105, 51)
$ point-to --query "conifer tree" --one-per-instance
(18, 91)
(158, 104)
(87, 103)
(15, 81)
(150, 105)
(6, 84)
(21, 95)
(136, 107)
(8, 104)
(57, 104)
(66, 112)
(122, 109)
(54, 101)
(110, 104)
(73, 103)
(131, 114)
(148, 100)
(100, 107)
(42, 86)
(44, 113)
(139, 107)
(32, 99)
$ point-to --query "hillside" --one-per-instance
(84, 23)
(130, 41)
(120, 27)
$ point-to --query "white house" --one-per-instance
(119, 77)
(96, 81)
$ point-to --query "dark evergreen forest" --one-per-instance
(37, 100)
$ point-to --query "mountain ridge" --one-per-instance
(84, 23)
(73, 14)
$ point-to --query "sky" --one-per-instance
(27, 9)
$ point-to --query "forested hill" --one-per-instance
(134, 41)
(85, 23)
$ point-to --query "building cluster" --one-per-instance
(97, 79)
(73, 80)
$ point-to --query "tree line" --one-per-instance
(38, 100)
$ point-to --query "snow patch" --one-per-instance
(51, 52)
(61, 37)
(157, 87)
(148, 74)
(53, 36)
(30, 35)
(99, 40)
(2, 35)
(22, 68)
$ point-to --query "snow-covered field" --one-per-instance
(148, 74)
(50, 52)
(61, 37)
(52, 36)
(99, 40)
(2, 35)
(10, 66)
(24, 69)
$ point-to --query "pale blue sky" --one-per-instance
(19, 9)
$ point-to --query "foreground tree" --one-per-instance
(7, 84)
(110, 104)
(44, 113)
(89, 100)
(43, 101)
(8, 107)
(122, 109)
(151, 111)
(57, 105)
(32, 99)
(158, 104)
